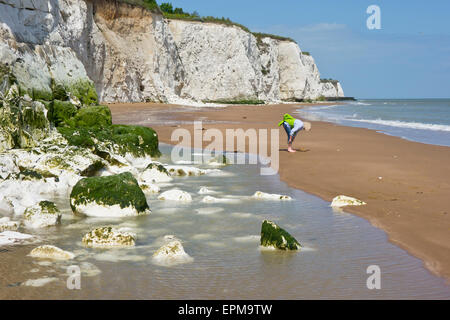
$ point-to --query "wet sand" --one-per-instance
(406, 184)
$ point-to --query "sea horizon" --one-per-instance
(420, 120)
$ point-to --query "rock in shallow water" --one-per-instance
(155, 173)
(110, 196)
(269, 196)
(272, 236)
(7, 224)
(41, 215)
(171, 254)
(175, 195)
(342, 201)
(51, 252)
(13, 237)
(105, 237)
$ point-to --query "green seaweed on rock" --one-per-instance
(121, 189)
(276, 237)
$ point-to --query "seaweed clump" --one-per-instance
(121, 189)
(276, 237)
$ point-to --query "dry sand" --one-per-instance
(406, 184)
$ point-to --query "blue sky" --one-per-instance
(408, 58)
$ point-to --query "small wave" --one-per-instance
(359, 103)
(409, 125)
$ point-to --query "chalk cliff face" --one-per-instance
(132, 54)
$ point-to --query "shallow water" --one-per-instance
(223, 239)
(421, 120)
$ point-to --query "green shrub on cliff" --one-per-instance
(147, 4)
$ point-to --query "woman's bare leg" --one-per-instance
(291, 139)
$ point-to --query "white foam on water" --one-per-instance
(202, 236)
(167, 211)
(209, 199)
(209, 210)
(245, 215)
(409, 125)
(158, 231)
(118, 255)
(215, 244)
(249, 238)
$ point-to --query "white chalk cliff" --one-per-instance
(132, 54)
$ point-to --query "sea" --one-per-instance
(420, 120)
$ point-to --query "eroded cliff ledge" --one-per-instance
(132, 54)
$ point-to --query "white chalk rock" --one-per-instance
(149, 188)
(51, 252)
(270, 196)
(155, 173)
(105, 237)
(7, 165)
(41, 215)
(205, 190)
(184, 171)
(171, 254)
(175, 195)
(218, 161)
(210, 199)
(7, 224)
(13, 237)
(342, 201)
(38, 282)
(94, 209)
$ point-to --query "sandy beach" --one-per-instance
(405, 184)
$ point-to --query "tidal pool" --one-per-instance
(223, 240)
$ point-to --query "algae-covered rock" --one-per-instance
(66, 113)
(95, 116)
(60, 112)
(23, 122)
(116, 195)
(51, 252)
(116, 139)
(104, 237)
(220, 160)
(155, 173)
(176, 170)
(342, 201)
(171, 254)
(273, 236)
(41, 215)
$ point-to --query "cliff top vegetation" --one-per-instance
(169, 12)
